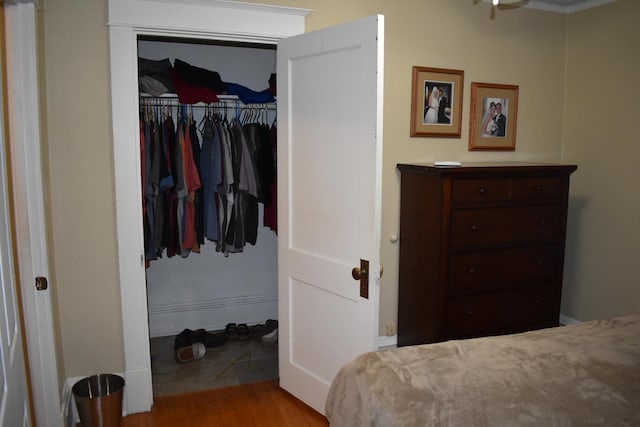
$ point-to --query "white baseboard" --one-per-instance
(566, 320)
(387, 342)
(68, 407)
(211, 314)
(69, 410)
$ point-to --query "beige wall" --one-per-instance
(80, 187)
(46, 173)
(602, 125)
(521, 47)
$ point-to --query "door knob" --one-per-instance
(361, 274)
(357, 273)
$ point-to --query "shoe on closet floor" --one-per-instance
(271, 336)
(231, 330)
(270, 325)
(244, 333)
(188, 337)
(257, 331)
(190, 353)
(183, 339)
(214, 339)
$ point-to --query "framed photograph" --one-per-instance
(436, 102)
(493, 118)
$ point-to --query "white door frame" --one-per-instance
(215, 19)
(31, 233)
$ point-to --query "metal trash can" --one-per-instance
(99, 400)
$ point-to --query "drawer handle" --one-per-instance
(474, 228)
(541, 222)
(482, 190)
(539, 262)
(538, 188)
(469, 312)
(472, 270)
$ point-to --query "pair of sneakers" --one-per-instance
(239, 331)
(261, 332)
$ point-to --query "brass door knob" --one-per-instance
(357, 273)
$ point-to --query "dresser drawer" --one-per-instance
(495, 312)
(479, 227)
(485, 190)
(500, 269)
(537, 189)
(500, 190)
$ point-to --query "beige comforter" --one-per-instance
(586, 374)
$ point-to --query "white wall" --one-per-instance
(208, 290)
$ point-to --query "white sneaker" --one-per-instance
(193, 352)
(271, 336)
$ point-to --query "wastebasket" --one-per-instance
(99, 400)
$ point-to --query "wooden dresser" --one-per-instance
(481, 249)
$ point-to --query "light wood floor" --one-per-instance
(259, 404)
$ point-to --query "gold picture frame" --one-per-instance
(436, 113)
(493, 118)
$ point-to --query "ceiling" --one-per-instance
(561, 6)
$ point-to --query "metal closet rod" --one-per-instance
(224, 101)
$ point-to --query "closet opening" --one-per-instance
(209, 202)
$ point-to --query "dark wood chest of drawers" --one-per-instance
(481, 249)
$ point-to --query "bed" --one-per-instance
(584, 374)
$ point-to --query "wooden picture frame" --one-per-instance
(493, 118)
(443, 118)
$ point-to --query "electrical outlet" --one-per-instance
(390, 329)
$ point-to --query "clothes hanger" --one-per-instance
(238, 110)
(205, 118)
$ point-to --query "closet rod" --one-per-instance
(226, 100)
(269, 107)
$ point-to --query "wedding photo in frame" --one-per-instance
(493, 118)
(436, 102)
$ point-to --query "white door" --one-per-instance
(14, 401)
(27, 184)
(329, 192)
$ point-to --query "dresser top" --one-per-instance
(488, 167)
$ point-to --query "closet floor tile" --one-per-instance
(233, 363)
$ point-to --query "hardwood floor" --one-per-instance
(260, 404)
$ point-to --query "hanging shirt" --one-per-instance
(192, 183)
(211, 176)
(271, 210)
